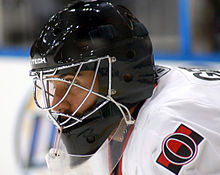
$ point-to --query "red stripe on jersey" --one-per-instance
(125, 144)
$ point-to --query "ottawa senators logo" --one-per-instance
(179, 149)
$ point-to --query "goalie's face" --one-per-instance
(76, 94)
(68, 94)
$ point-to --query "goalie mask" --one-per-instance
(111, 49)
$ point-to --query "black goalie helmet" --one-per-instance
(111, 44)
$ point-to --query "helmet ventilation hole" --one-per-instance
(131, 54)
(57, 31)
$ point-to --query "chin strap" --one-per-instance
(57, 140)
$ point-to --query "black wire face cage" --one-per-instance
(44, 93)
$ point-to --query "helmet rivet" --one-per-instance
(113, 59)
(128, 77)
(113, 92)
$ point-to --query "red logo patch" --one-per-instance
(179, 149)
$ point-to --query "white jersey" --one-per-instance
(177, 130)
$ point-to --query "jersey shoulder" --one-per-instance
(187, 84)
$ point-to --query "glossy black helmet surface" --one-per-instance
(88, 30)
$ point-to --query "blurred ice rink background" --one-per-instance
(183, 32)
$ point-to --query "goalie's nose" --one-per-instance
(64, 105)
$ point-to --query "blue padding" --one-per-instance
(17, 52)
(206, 57)
(184, 26)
